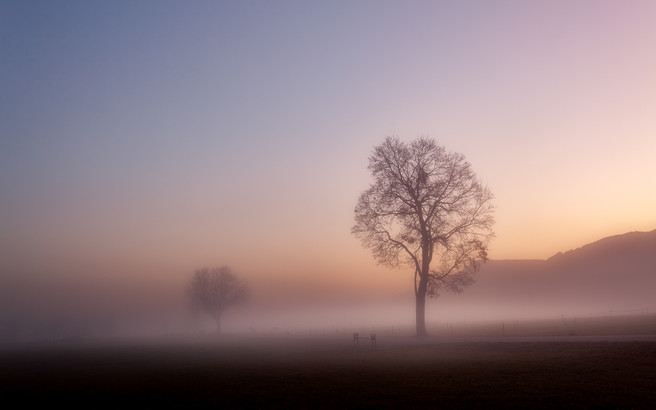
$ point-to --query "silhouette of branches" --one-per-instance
(214, 290)
(425, 202)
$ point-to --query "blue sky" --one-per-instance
(163, 136)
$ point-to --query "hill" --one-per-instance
(615, 273)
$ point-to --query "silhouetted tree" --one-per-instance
(426, 206)
(214, 290)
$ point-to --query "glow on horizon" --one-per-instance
(146, 140)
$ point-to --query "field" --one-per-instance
(609, 324)
(327, 372)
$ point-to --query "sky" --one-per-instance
(142, 140)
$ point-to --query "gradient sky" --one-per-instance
(147, 139)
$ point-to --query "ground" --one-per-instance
(327, 372)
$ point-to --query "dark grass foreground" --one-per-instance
(283, 373)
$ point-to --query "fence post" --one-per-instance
(356, 340)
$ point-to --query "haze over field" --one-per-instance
(141, 141)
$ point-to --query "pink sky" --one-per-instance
(144, 141)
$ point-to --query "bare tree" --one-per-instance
(214, 290)
(426, 206)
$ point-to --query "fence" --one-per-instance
(357, 337)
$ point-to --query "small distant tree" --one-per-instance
(425, 209)
(214, 290)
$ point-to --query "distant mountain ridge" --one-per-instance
(628, 243)
(616, 272)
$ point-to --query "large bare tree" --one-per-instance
(214, 290)
(428, 210)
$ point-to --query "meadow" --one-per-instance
(327, 372)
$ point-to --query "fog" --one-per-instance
(613, 277)
(140, 142)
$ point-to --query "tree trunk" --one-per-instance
(421, 308)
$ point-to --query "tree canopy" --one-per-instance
(428, 210)
(214, 290)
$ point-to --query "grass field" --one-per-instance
(233, 372)
(609, 324)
